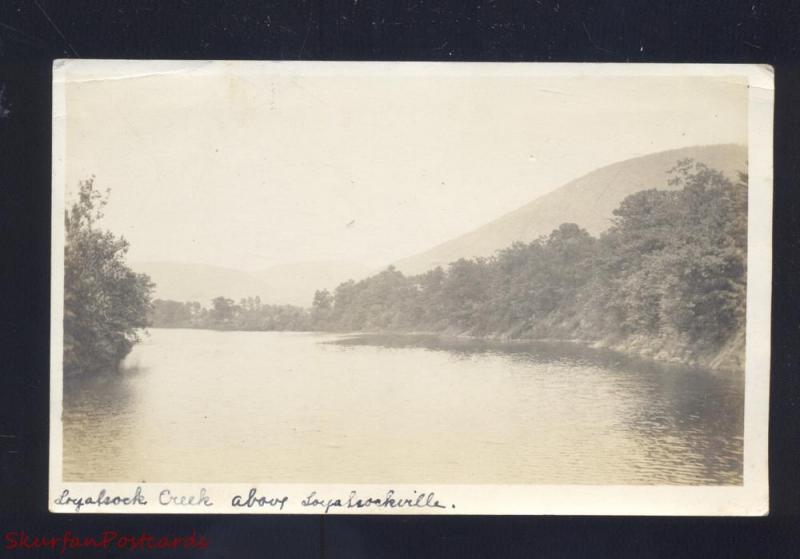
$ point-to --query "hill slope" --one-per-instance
(588, 201)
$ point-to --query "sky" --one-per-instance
(248, 167)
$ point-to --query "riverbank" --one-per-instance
(730, 356)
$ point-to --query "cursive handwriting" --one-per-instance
(253, 500)
(167, 498)
(391, 499)
(102, 499)
(387, 501)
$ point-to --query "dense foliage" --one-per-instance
(105, 302)
(667, 277)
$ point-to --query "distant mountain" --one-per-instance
(293, 283)
(588, 201)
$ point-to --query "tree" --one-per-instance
(106, 304)
(321, 307)
(223, 311)
(465, 292)
(323, 300)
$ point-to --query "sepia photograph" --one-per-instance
(410, 288)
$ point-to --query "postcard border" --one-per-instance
(750, 499)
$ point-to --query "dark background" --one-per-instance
(33, 33)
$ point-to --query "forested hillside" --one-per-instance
(667, 281)
(589, 200)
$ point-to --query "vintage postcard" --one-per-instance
(410, 288)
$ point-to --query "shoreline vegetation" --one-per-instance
(666, 282)
(106, 304)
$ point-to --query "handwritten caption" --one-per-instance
(252, 499)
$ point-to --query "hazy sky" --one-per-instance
(249, 169)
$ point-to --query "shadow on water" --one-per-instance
(96, 416)
(533, 351)
(103, 389)
(684, 416)
(695, 417)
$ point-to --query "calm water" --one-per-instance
(198, 405)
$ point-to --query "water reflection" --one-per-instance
(286, 407)
(107, 400)
(688, 420)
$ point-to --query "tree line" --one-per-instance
(669, 274)
(224, 314)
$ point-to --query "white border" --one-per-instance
(750, 499)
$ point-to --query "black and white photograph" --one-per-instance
(397, 287)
